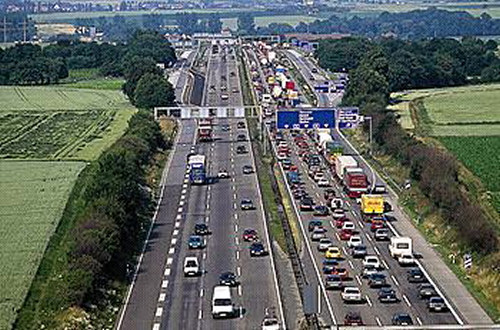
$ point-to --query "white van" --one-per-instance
(400, 246)
(191, 266)
(222, 304)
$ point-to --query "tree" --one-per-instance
(153, 91)
(214, 24)
(151, 44)
(135, 68)
(246, 24)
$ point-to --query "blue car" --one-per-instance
(196, 242)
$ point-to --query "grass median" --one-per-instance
(270, 197)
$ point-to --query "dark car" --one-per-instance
(228, 278)
(359, 251)
(196, 242)
(241, 138)
(436, 304)
(329, 194)
(402, 319)
(353, 318)
(306, 204)
(313, 224)
(286, 163)
(240, 124)
(426, 290)
(249, 235)
(333, 282)
(300, 193)
(321, 211)
(241, 150)
(225, 128)
(247, 204)
(257, 249)
(387, 295)
(415, 275)
(201, 229)
(377, 280)
(247, 169)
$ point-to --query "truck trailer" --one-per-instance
(343, 162)
(355, 182)
(197, 169)
(372, 204)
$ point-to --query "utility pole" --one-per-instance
(4, 29)
(369, 118)
(24, 31)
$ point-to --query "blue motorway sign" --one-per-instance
(306, 118)
(348, 117)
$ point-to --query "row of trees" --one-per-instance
(415, 24)
(371, 80)
(416, 64)
(136, 60)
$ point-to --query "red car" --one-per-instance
(377, 224)
(250, 235)
(353, 318)
(340, 222)
(342, 272)
(345, 234)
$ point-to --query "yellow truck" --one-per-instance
(372, 204)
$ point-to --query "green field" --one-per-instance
(61, 17)
(33, 198)
(459, 111)
(262, 21)
(466, 120)
(482, 156)
(60, 122)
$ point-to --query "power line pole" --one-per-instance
(4, 29)
(24, 30)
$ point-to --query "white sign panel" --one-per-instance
(221, 112)
(239, 112)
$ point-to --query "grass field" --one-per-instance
(60, 123)
(61, 17)
(262, 21)
(459, 111)
(466, 120)
(481, 154)
(33, 197)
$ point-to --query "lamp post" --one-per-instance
(369, 118)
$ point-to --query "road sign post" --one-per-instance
(467, 261)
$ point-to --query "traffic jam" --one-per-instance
(370, 274)
(347, 223)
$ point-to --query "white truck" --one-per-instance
(324, 138)
(400, 246)
(222, 303)
(343, 162)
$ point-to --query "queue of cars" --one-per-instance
(222, 301)
(332, 210)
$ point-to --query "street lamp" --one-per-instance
(369, 118)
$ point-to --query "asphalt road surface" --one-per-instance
(161, 297)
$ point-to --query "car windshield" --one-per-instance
(191, 263)
(222, 302)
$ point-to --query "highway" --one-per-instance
(467, 309)
(464, 308)
(218, 206)
(161, 296)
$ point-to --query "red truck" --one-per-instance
(355, 182)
